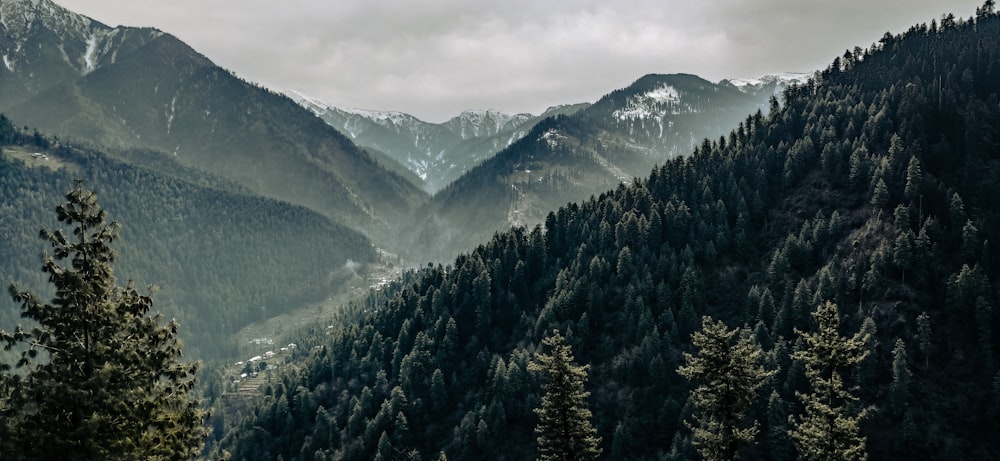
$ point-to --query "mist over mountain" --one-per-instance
(570, 157)
(124, 88)
(221, 257)
(436, 152)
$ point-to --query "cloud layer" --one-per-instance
(434, 58)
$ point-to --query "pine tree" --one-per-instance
(828, 430)
(924, 337)
(564, 430)
(899, 388)
(727, 373)
(98, 377)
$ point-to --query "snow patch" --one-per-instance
(380, 117)
(309, 102)
(170, 116)
(552, 137)
(665, 93)
(91, 53)
(8, 63)
(651, 104)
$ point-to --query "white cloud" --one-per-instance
(434, 58)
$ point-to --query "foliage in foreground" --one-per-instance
(99, 377)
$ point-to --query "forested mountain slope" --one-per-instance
(572, 157)
(221, 258)
(874, 186)
(126, 88)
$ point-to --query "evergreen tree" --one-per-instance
(564, 430)
(924, 336)
(828, 430)
(899, 389)
(727, 372)
(98, 378)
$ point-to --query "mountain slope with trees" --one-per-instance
(221, 258)
(125, 88)
(872, 189)
(568, 158)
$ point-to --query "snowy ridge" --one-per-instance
(781, 80)
(655, 103)
(20, 15)
(382, 117)
(83, 42)
(484, 122)
(436, 152)
(317, 106)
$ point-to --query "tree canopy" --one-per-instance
(99, 377)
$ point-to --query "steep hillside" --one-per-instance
(221, 259)
(127, 88)
(436, 152)
(873, 186)
(569, 158)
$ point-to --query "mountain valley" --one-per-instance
(360, 285)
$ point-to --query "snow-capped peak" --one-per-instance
(484, 122)
(320, 107)
(18, 16)
(783, 79)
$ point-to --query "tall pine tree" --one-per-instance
(564, 430)
(99, 377)
(727, 373)
(829, 430)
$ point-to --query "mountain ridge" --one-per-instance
(128, 88)
(436, 152)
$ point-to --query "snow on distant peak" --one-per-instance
(653, 103)
(309, 102)
(381, 117)
(483, 122)
(664, 93)
(782, 79)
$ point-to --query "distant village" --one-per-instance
(260, 363)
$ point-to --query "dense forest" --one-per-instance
(221, 258)
(861, 207)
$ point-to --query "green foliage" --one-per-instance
(806, 238)
(221, 258)
(109, 383)
(727, 373)
(829, 430)
(564, 429)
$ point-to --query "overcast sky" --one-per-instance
(435, 58)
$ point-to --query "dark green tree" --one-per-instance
(98, 377)
(829, 430)
(727, 373)
(564, 430)
(899, 389)
(924, 337)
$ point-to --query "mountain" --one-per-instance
(571, 157)
(770, 83)
(873, 186)
(221, 256)
(436, 152)
(125, 88)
